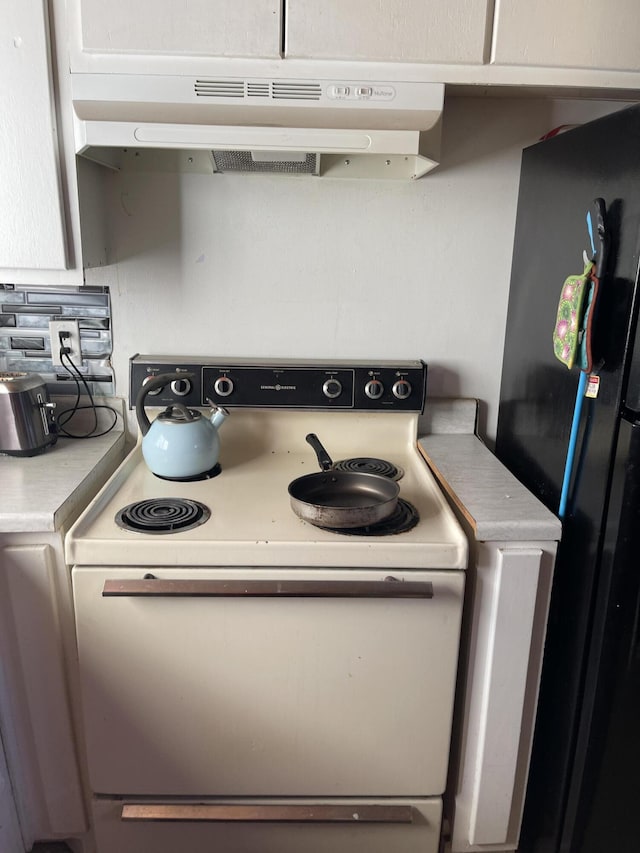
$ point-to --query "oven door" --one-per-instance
(235, 682)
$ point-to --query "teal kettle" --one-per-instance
(180, 443)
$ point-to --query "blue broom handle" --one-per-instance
(573, 439)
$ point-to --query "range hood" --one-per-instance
(326, 127)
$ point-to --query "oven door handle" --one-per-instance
(150, 586)
(262, 813)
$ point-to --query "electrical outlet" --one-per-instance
(71, 342)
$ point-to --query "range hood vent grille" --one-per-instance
(245, 161)
(301, 91)
(275, 89)
(219, 88)
(258, 90)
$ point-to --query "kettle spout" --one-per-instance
(218, 414)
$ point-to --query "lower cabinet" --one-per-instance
(42, 791)
(503, 659)
(35, 713)
(513, 541)
(268, 826)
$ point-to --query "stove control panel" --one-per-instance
(234, 383)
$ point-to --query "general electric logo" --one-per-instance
(278, 387)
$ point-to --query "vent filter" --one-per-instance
(246, 161)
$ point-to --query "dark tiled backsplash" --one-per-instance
(25, 343)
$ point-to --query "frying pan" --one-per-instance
(341, 498)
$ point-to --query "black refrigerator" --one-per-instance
(583, 792)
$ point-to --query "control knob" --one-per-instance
(374, 389)
(223, 386)
(332, 388)
(181, 387)
(401, 389)
(156, 390)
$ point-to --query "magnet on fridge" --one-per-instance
(593, 386)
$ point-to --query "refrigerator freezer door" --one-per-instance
(602, 803)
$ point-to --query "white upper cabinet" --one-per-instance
(243, 28)
(393, 31)
(396, 30)
(578, 43)
(592, 34)
(32, 222)
(41, 241)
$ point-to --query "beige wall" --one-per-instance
(274, 266)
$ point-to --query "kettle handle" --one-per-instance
(157, 382)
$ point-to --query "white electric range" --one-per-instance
(255, 681)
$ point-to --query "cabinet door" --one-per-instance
(34, 704)
(191, 28)
(397, 30)
(597, 34)
(32, 224)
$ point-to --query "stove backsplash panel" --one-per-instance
(25, 342)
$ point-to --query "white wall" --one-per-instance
(274, 266)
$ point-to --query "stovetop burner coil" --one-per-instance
(370, 465)
(162, 515)
(403, 518)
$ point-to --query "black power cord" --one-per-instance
(66, 415)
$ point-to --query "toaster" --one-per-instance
(27, 422)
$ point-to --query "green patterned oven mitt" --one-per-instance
(568, 328)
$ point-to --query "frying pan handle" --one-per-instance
(324, 460)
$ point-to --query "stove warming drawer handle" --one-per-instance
(257, 813)
(150, 587)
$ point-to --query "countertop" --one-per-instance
(46, 492)
(494, 503)
(42, 493)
